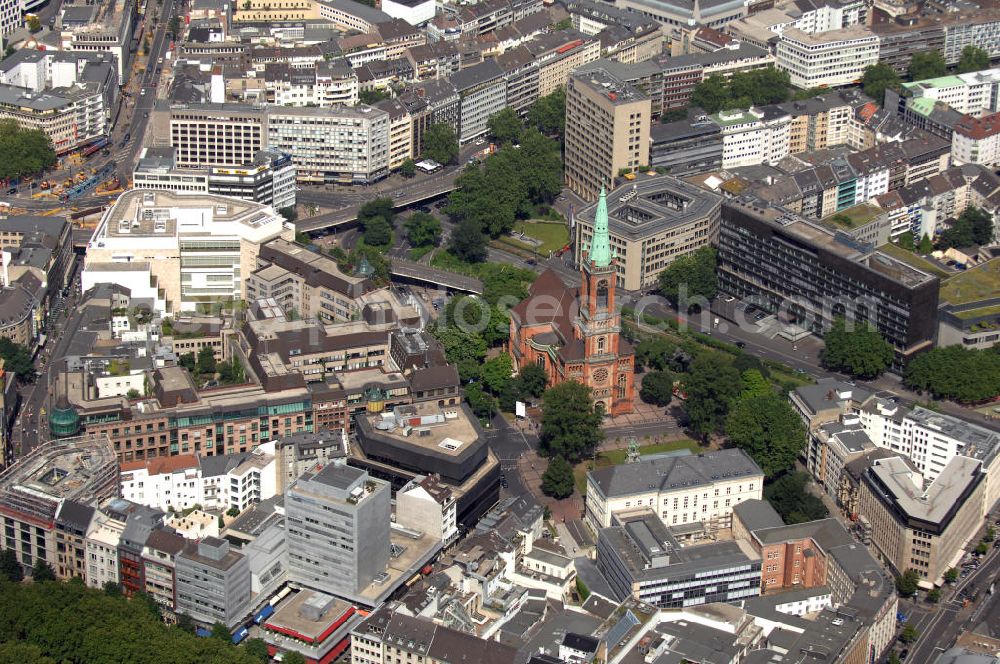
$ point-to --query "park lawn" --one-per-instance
(552, 234)
(417, 253)
(617, 457)
(852, 217)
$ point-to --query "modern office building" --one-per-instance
(213, 582)
(607, 131)
(482, 92)
(974, 93)
(641, 559)
(182, 249)
(269, 179)
(680, 489)
(782, 262)
(922, 525)
(755, 136)
(337, 520)
(106, 26)
(652, 221)
(686, 147)
(826, 59)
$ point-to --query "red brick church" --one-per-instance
(576, 334)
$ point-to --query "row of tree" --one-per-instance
(742, 90)
(973, 227)
(928, 64)
(25, 151)
(968, 375)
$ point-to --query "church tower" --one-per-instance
(599, 323)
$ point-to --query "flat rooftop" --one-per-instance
(607, 84)
(979, 283)
(936, 503)
(445, 430)
(295, 617)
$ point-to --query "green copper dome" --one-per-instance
(64, 420)
(600, 245)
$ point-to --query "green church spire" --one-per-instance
(600, 245)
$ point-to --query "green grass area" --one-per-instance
(976, 313)
(552, 234)
(912, 259)
(979, 283)
(853, 217)
(417, 253)
(617, 457)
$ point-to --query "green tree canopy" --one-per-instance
(861, 352)
(689, 277)
(496, 373)
(476, 315)
(927, 64)
(441, 144)
(378, 232)
(907, 583)
(505, 127)
(878, 78)
(373, 96)
(465, 350)
(533, 380)
(973, 59)
(16, 357)
(206, 361)
(767, 428)
(34, 25)
(468, 242)
(711, 387)
(377, 207)
(754, 384)
(257, 648)
(25, 151)
(422, 229)
(951, 576)
(570, 423)
(742, 90)
(657, 388)
(791, 499)
(482, 404)
(654, 353)
(10, 568)
(548, 114)
(557, 481)
(408, 168)
(968, 375)
(973, 226)
(293, 657)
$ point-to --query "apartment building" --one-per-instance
(682, 73)
(922, 525)
(823, 276)
(607, 131)
(327, 83)
(652, 221)
(977, 141)
(974, 93)
(830, 59)
(31, 499)
(72, 525)
(755, 136)
(428, 505)
(558, 54)
(269, 179)
(213, 582)
(401, 146)
(105, 26)
(181, 249)
(159, 556)
(714, 483)
(212, 134)
(641, 558)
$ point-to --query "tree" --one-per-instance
(221, 632)
(967, 375)
(465, 350)
(233, 512)
(10, 567)
(483, 405)
(754, 384)
(654, 353)
(532, 380)
(991, 534)
(982, 548)
(690, 276)
(711, 387)
(292, 657)
(378, 232)
(548, 114)
(441, 144)
(175, 25)
(112, 589)
(34, 25)
(951, 576)
(16, 357)
(570, 422)
(468, 243)
(206, 361)
(711, 94)
(861, 352)
(25, 151)
(973, 59)
(132, 394)
(496, 373)
(557, 481)
(927, 64)
(909, 633)
(408, 168)
(973, 226)
(291, 214)
(373, 96)
(925, 246)
(905, 240)
(422, 229)
(377, 207)
(505, 126)
(257, 648)
(934, 595)
(42, 571)
(564, 24)
(657, 388)
(187, 361)
(767, 428)
(791, 498)
(907, 583)
(894, 658)
(877, 79)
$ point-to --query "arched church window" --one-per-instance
(602, 294)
